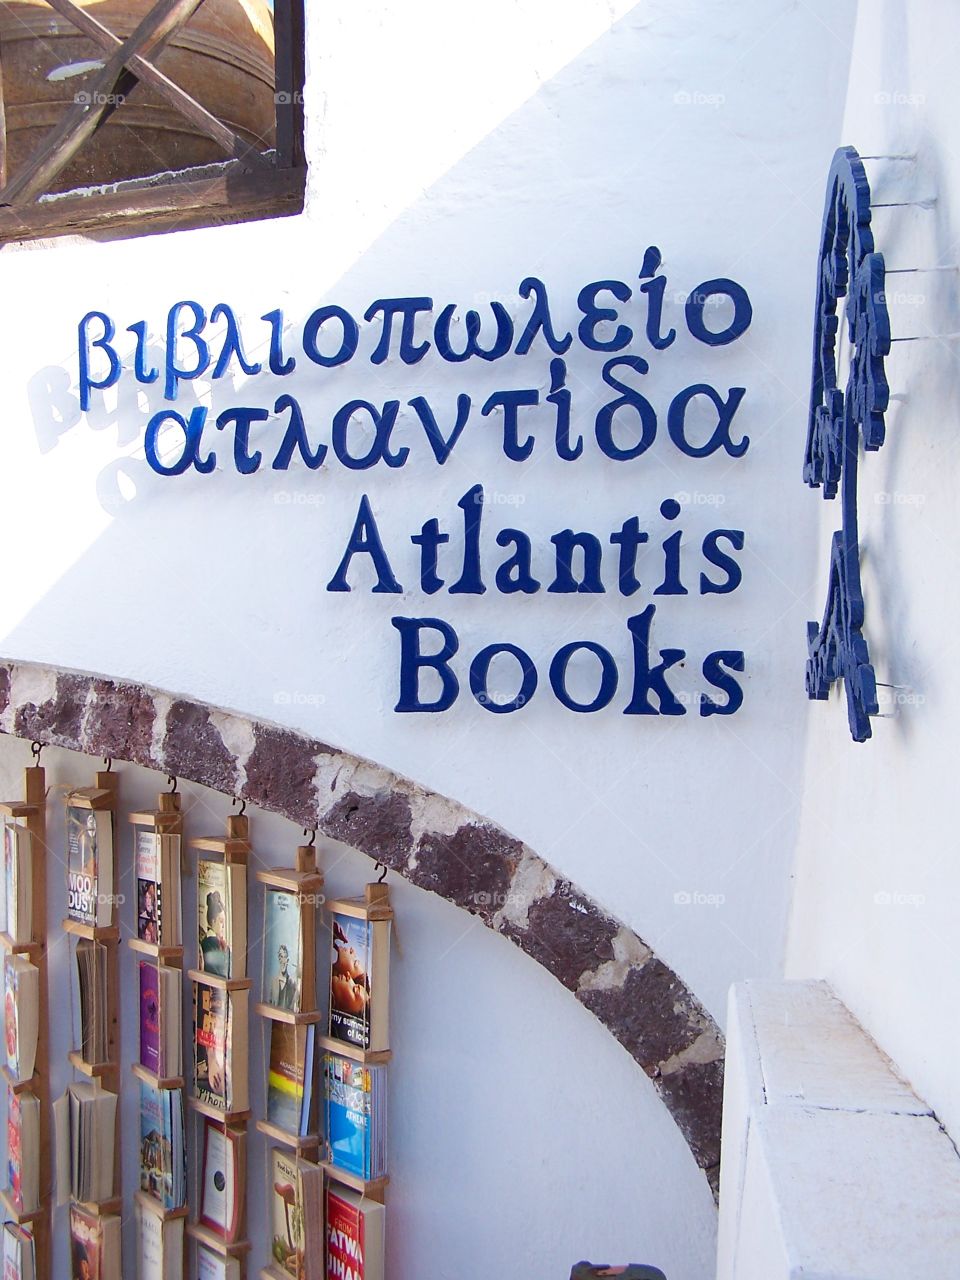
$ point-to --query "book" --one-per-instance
(93, 1027)
(21, 1015)
(160, 1017)
(290, 1077)
(90, 865)
(216, 1266)
(282, 950)
(9, 836)
(286, 1213)
(94, 1245)
(159, 1245)
(221, 1047)
(296, 1215)
(222, 917)
(360, 981)
(18, 1253)
(355, 1235)
(158, 888)
(23, 1150)
(355, 1116)
(223, 1179)
(18, 881)
(85, 1128)
(163, 1170)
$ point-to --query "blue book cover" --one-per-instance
(347, 1096)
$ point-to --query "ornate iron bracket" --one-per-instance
(848, 267)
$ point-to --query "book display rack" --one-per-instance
(87, 1117)
(324, 1119)
(156, 944)
(290, 1019)
(220, 1096)
(25, 832)
(356, 1050)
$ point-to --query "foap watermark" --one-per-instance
(499, 900)
(896, 98)
(696, 898)
(285, 99)
(84, 98)
(896, 498)
(697, 98)
(494, 498)
(296, 698)
(298, 498)
(896, 898)
(698, 499)
(898, 298)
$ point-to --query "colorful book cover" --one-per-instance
(212, 910)
(156, 1162)
(286, 1243)
(348, 1089)
(14, 1150)
(345, 1239)
(210, 1020)
(291, 1051)
(85, 1245)
(282, 950)
(149, 1018)
(11, 1037)
(9, 845)
(10, 866)
(351, 981)
(149, 903)
(82, 863)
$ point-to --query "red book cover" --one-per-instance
(344, 1239)
(14, 1152)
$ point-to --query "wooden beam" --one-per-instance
(180, 203)
(288, 33)
(226, 139)
(82, 119)
(3, 131)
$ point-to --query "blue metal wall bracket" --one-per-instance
(848, 267)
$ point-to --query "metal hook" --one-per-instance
(242, 804)
(35, 749)
(383, 874)
(313, 836)
(172, 779)
(108, 761)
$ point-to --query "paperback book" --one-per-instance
(94, 1245)
(223, 1178)
(84, 1121)
(220, 1047)
(159, 1245)
(19, 1255)
(355, 1116)
(282, 950)
(92, 1028)
(23, 1150)
(290, 1078)
(17, 893)
(359, 982)
(90, 865)
(222, 918)
(158, 888)
(216, 1266)
(296, 1214)
(160, 1018)
(355, 1235)
(21, 1015)
(163, 1168)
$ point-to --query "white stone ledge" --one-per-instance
(832, 1168)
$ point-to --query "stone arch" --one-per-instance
(430, 840)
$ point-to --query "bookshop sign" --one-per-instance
(362, 435)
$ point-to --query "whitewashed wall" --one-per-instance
(454, 151)
(877, 875)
